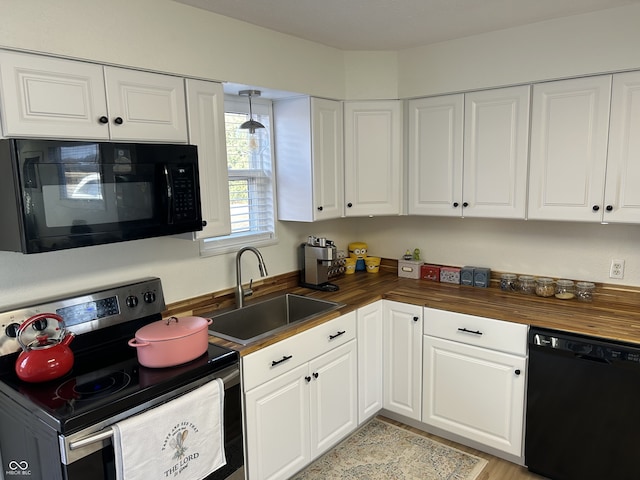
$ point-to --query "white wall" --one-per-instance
(557, 249)
(371, 75)
(597, 42)
(166, 36)
(175, 260)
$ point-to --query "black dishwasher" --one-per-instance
(583, 407)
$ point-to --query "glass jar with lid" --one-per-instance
(508, 282)
(584, 291)
(565, 289)
(527, 284)
(545, 287)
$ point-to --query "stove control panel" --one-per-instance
(87, 310)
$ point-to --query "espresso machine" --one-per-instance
(318, 260)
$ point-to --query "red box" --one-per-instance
(430, 272)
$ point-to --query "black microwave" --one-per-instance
(56, 194)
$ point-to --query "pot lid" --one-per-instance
(171, 328)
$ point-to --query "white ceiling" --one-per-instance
(395, 24)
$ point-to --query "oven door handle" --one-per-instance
(98, 437)
(231, 379)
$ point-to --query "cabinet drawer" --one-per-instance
(283, 356)
(480, 331)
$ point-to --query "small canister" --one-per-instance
(584, 291)
(527, 284)
(545, 287)
(508, 282)
(565, 289)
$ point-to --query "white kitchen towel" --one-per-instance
(182, 439)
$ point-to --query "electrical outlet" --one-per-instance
(617, 269)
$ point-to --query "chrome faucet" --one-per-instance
(240, 292)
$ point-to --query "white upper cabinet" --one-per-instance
(489, 179)
(622, 195)
(310, 166)
(56, 98)
(49, 97)
(373, 157)
(496, 146)
(205, 101)
(569, 129)
(151, 106)
(435, 155)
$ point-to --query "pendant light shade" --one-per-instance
(251, 124)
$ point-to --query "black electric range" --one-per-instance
(73, 413)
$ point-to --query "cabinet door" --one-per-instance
(435, 155)
(403, 358)
(334, 397)
(328, 159)
(51, 98)
(622, 195)
(205, 102)
(146, 106)
(373, 157)
(496, 148)
(277, 426)
(308, 134)
(475, 393)
(569, 128)
(370, 368)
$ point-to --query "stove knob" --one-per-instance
(12, 330)
(40, 325)
(131, 301)
(149, 297)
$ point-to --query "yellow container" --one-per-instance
(373, 264)
(350, 265)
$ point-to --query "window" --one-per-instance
(249, 159)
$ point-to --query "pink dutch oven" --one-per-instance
(172, 341)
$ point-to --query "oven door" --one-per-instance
(89, 453)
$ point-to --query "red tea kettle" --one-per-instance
(44, 358)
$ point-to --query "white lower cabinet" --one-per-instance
(458, 373)
(474, 378)
(300, 413)
(402, 358)
(333, 397)
(370, 365)
(278, 425)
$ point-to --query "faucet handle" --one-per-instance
(248, 292)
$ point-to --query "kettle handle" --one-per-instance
(35, 318)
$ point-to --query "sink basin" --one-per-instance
(259, 320)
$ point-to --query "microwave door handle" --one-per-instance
(167, 179)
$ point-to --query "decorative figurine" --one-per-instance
(416, 254)
(358, 250)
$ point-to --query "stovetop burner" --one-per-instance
(103, 386)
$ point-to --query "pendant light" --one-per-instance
(250, 124)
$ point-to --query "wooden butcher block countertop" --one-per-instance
(614, 313)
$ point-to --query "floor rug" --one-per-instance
(381, 451)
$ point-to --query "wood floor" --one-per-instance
(496, 469)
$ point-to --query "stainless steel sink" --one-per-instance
(259, 320)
